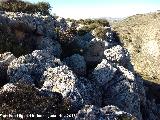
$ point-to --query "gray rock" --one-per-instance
(120, 91)
(79, 91)
(52, 46)
(104, 72)
(83, 41)
(94, 52)
(5, 60)
(30, 67)
(9, 87)
(59, 79)
(117, 54)
(41, 25)
(62, 24)
(77, 63)
(90, 112)
(89, 94)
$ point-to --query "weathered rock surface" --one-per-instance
(120, 91)
(94, 73)
(104, 72)
(118, 55)
(90, 112)
(94, 53)
(5, 60)
(60, 79)
(77, 63)
(52, 46)
(41, 25)
(79, 91)
(29, 68)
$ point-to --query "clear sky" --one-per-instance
(101, 8)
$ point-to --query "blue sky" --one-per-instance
(101, 8)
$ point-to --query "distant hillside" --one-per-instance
(140, 34)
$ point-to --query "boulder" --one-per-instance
(121, 92)
(5, 59)
(59, 79)
(118, 54)
(30, 68)
(91, 112)
(52, 46)
(94, 52)
(103, 73)
(77, 63)
(79, 91)
(62, 24)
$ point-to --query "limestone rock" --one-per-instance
(79, 91)
(39, 24)
(52, 46)
(117, 54)
(88, 92)
(59, 79)
(62, 23)
(104, 72)
(94, 53)
(77, 63)
(90, 112)
(120, 91)
(31, 67)
(5, 60)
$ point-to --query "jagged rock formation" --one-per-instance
(42, 25)
(79, 91)
(77, 63)
(105, 113)
(97, 81)
(5, 60)
(29, 68)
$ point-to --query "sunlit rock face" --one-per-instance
(87, 76)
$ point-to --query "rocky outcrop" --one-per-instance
(119, 55)
(30, 68)
(60, 79)
(5, 60)
(120, 91)
(41, 25)
(52, 46)
(95, 79)
(103, 73)
(77, 63)
(94, 53)
(90, 112)
(79, 91)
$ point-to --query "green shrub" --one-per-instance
(100, 32)
(84, 30)
(67, 36)
(10, 43)
(25, 7)
(97, 22)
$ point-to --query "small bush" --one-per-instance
(10, 43)
(25, 7)
(100, 32)
(67, 36)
